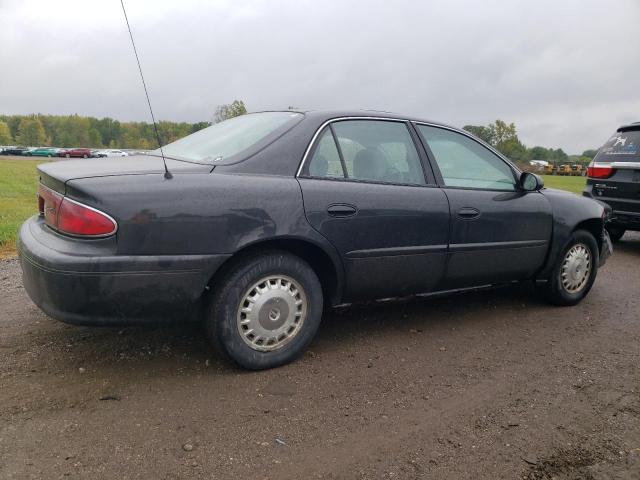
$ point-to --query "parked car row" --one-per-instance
(62, 152)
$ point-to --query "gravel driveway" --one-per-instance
(490, 384)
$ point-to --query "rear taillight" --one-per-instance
(71, 217)
(599, 170)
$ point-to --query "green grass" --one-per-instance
(570, 184)
(18, 184)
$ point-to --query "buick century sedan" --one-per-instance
(260, 222)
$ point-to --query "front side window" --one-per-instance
(231, 137)
(465, 163)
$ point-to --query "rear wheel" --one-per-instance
(265, 310)
(575, 271)
(616, 233)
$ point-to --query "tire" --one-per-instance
(560, 293)
(279, 275)
(616, 233)
(84, 156)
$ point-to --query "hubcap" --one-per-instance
(271, 313)
(576, 268)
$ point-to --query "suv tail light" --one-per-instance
(599, 170)
(71, 217)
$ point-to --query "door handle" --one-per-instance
(468, 213)
(341, 210)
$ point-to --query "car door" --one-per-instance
(365, 189)
(498, 231)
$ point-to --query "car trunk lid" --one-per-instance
(56, 174)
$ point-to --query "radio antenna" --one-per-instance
(167, 174)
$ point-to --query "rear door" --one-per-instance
(614, 175)
(365, 190)
(499, 233)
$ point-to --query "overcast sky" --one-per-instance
(567, 72)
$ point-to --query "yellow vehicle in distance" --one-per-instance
(577, 170)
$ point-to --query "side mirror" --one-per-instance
(530, 182)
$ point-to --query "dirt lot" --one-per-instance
(486, 385)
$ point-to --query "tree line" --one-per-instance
(504, 138)
(79, 131)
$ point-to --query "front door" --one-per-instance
(498, 232)
(365, 190)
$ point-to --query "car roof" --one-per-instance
(331, 114)
(630, 126)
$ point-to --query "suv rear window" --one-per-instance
(621, 147)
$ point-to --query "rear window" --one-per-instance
(225, 141)
(621, 147)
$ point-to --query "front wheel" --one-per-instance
(265, 311)
(575, 271)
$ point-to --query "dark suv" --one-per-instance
(614, 178)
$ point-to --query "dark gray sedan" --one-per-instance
(265, 219)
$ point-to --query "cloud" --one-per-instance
(565, 72)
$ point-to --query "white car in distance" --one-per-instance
(111, 153)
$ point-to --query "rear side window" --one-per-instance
(621, 147)
(367, 150)
(325, 161)
(379, 151)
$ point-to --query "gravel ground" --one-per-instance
(490, 384)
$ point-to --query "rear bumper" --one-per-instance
(628, 220)
(624, 213)
(81, 286)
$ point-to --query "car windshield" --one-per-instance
(621, 147)
(231, 137)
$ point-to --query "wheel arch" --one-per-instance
(570, 213)
(594, 226)
(327, 267)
